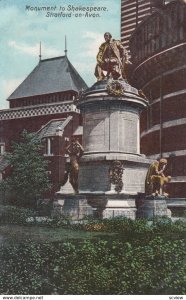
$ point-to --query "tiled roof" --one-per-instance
(50, 76)
(52, 127)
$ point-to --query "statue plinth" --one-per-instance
(153, 206)
(111, 111)
(73, 206)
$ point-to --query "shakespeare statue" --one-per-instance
(112, 58)
(155, 180)
(75, 151)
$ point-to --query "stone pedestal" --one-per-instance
(153, 206)
(111, 133)
(73, 206)
(110, 206)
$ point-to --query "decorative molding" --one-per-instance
(39, 110)
(168, 96)
(168, 72)
(157, 55)
(159, 64)
(179, 179)
(167, 124)
(168, 154)
(116, 174)
(152, 129)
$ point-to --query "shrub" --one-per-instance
(14, 215)
(94, 267)
(136, 228)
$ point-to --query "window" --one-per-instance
(48, 147)
(2, 148)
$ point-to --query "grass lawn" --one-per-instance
(18, 233)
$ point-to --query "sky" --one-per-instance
(23, 26)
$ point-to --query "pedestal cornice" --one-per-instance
(99, 95)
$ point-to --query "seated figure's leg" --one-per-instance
(162, 182)
(99, 73)
(156, 184)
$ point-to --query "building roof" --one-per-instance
(78, 131)
(50, 76)
(52, 127)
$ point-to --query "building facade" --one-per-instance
(44, 104)
(158, 51)
(133, 12)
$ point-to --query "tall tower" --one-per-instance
(132, 13)
(158, 53)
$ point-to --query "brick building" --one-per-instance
(44, 103)
(158, 50)
(133, 12)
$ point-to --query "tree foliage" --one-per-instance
(28, 179)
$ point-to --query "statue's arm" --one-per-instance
(100, 55)
(159, 172)
(81, 149)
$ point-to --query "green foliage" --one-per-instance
(60, 221)
(14, 215)
(94, 267)
(28, 179)
(141, 257)
(136, 229)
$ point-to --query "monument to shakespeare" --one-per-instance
(111, 169)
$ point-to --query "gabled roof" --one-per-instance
(52, 127)
(50, 76)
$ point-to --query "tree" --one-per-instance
(28, 179)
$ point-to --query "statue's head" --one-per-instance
(74, 139)
(107, 36)
(163, 161)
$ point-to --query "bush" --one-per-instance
(14, 215)
(94, 267)
(135, 228)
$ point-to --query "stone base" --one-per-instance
(66, 189)
(99, 206)
(73, 206)
(110, 206)
(95, 168)
(153, 206)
